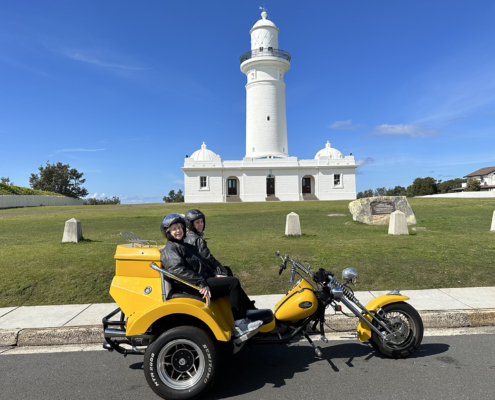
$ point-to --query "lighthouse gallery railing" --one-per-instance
(265, 53)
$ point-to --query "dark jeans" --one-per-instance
(230, 286)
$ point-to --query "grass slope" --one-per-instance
(457, 250)
(12, 189)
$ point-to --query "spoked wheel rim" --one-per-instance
(399, 322)
(180, 364)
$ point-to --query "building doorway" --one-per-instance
(232, 186)
(306, 185)
(270, 186)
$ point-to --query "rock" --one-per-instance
(398, 224)
(292, 224)
(336, 215)
(72, 231)
(419, 229)
(377, 210)
(493, 222)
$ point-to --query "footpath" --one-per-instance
(81, 323)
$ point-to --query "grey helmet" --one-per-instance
(193, 215)
(168, 221)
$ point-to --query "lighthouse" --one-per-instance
(267, 172)
(265, 66)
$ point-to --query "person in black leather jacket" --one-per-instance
(183, 260)
(196, 224)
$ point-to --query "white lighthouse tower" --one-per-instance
(265, 66)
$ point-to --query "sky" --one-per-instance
(124, 90)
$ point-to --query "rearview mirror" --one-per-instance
(277, 254)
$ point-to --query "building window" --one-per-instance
(337, 179)
(268, 118)
(202, 182)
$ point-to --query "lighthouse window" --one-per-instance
(336, 180)
(202, 182)
(268, 118)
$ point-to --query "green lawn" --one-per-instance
(457, 250)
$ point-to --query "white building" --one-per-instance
(267, 172)
(486, 176)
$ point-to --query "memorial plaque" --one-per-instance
(382, 208)
(377, 210)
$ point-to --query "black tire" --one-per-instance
(399, 315)
(181, 364)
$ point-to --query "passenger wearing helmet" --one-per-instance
(184, 261)
(196, 224)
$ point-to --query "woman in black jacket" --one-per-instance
(184, 261)
(196, 224)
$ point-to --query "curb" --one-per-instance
(94, 334)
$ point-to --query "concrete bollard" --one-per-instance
(493, 222)
(398, 224)
(72, 231)
(292, 224)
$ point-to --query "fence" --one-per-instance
(13, 201)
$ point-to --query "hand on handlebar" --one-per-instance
(205, 292)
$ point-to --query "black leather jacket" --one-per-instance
(197, 240)
(184, 261)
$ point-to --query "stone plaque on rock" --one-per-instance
(377, 210)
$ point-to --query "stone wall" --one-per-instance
(13, 201)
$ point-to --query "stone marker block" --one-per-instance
(398, 224)
(493, 222)
(72, 231)
(419, 228)
(292, 224)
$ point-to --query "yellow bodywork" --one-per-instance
(363, 330)
(289, 309)
(134, 278)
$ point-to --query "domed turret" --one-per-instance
(328, 152)
(204, 154)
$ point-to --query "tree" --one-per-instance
(422, 187)
(368, 193)
(473, 185)
(447, 186)
(6, 181)
(95, 202)
(380, 192)
(174, 197)
(59, 178)
(396, 191)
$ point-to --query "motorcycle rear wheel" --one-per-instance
(399, 315)
(181, 364)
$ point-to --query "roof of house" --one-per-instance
(482, 171)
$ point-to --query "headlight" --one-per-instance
(350, 275)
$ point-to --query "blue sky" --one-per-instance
(123, 90)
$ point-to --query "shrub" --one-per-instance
(99, 202)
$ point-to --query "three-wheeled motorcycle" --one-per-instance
(183, 336)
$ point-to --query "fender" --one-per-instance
(214, 316)
(143, 309)
(363, 330)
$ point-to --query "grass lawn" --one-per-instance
(457, 250)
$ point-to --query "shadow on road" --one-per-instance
(273, 365)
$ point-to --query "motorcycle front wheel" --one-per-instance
(181, 364)
(403, 319)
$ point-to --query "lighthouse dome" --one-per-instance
(328, 152)
(204, 154)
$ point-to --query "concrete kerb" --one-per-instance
(94, 333)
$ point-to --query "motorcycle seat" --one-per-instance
(265, 315)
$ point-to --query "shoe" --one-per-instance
(245, 325)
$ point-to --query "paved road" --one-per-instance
(445, 367)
